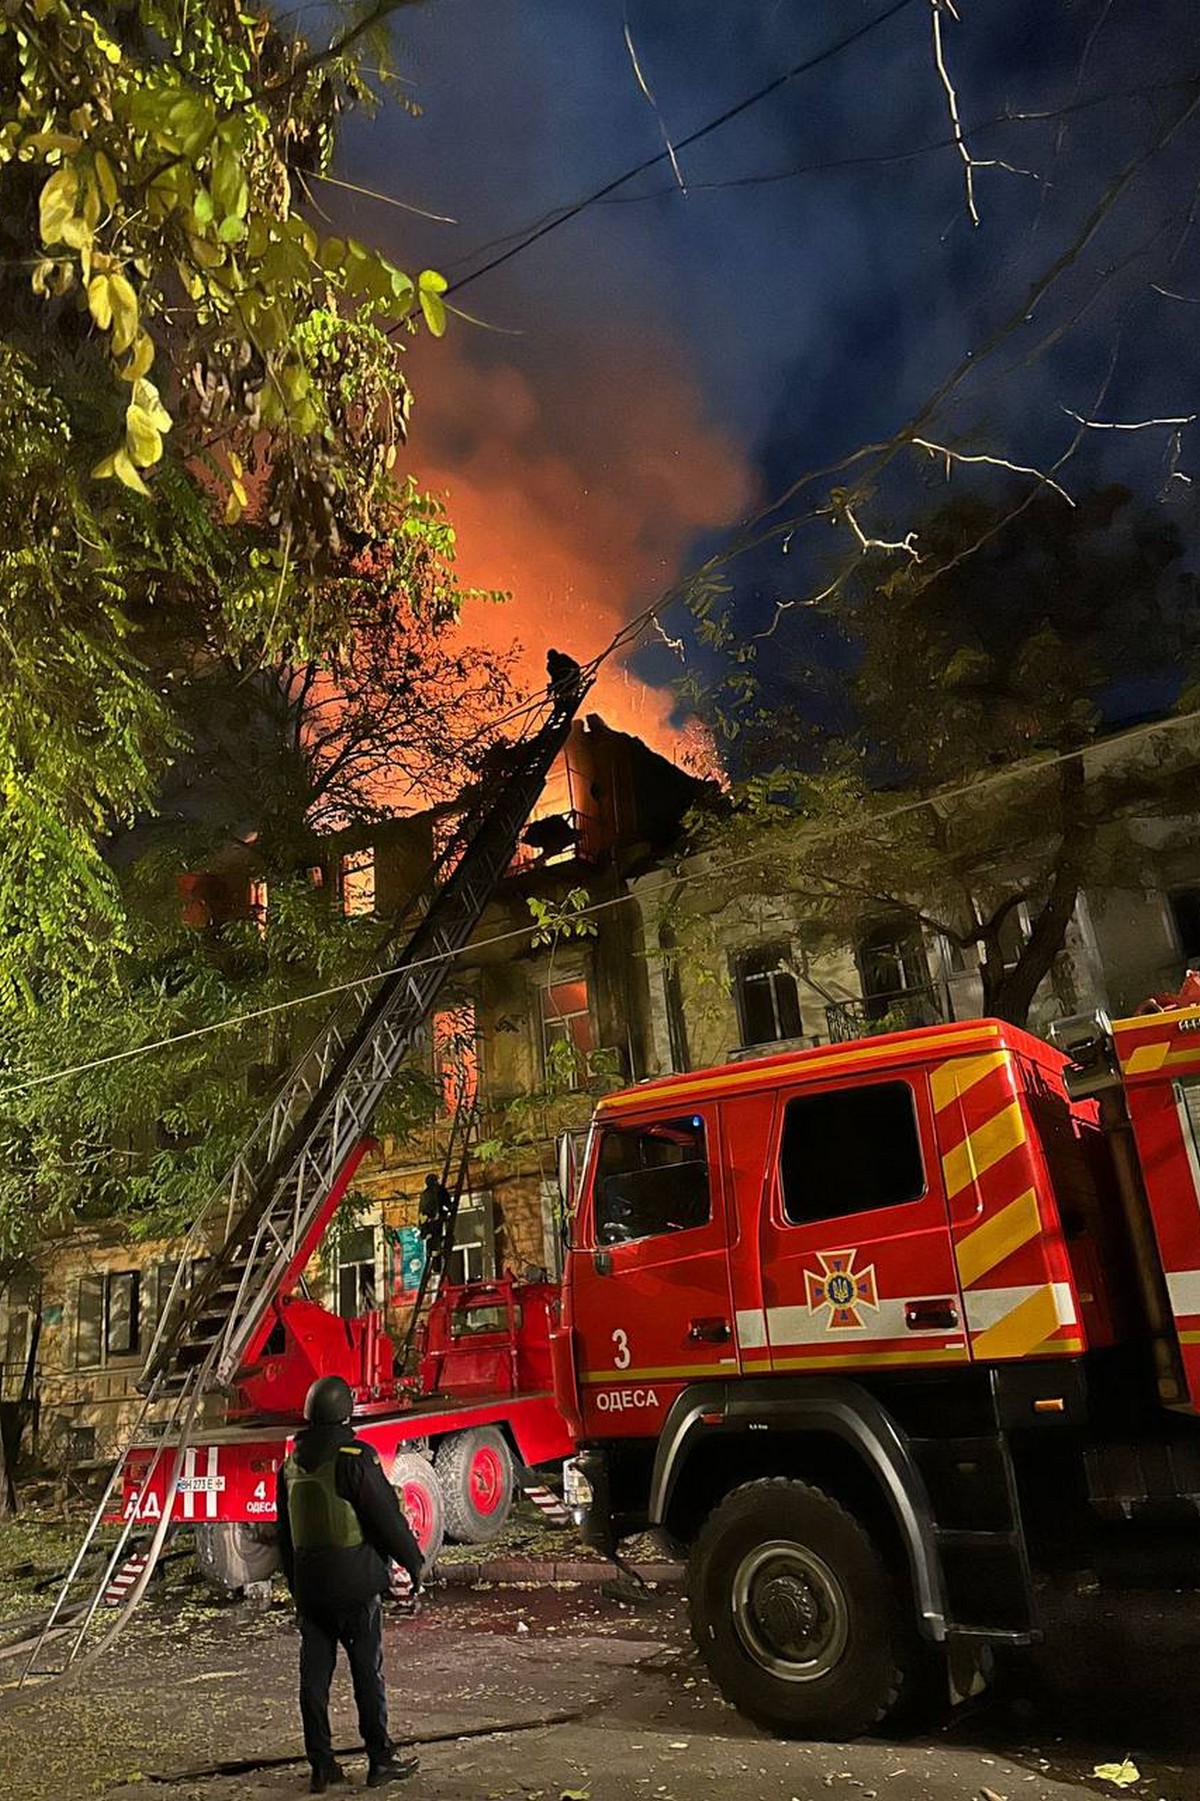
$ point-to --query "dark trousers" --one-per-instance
(359, 1630)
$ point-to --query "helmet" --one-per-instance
(329, 1402)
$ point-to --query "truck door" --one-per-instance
(649, 1271)
(857, 1260)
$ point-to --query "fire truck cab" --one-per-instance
(879, 1330)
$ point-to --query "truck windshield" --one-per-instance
(651, 1179)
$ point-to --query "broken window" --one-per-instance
(567, 1036)
(765, 991)
(358, 883)
(456, 1056)
(356, 1272)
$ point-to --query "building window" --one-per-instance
(850, 1150)
(768, 1000)
(356, 1272)
(108, 1317)
(1185, 915)
(651, 1180)
(473, 1258)
(456, 1056)
(357, 878)
(567, 1036)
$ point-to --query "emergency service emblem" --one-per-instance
(842, 1289)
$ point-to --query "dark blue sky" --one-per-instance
(803, 316)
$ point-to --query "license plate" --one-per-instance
(577, 1490)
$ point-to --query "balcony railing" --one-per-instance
(899, 1012)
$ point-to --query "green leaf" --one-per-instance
(434, 309)
(142, 437)
(125, 472)
(202, 207)
(100, 301)
(124, 303)
(56, 204)
(231, 229)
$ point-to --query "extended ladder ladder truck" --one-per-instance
(240, 1332)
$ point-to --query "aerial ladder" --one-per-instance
(261, 1225)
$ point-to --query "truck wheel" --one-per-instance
(795, 1613)
(475, 1471)
(234, 1553)
(421, 1498)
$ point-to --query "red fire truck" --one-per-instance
(456, 1442)
(881, 1330)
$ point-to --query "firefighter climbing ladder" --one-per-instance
(268, 1214)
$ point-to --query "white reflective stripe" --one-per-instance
(188, 1474)
(985, 1306)
(212, 1475)
(887, 1319)
(751, 1328)
(1183, 1286)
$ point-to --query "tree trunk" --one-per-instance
(1008, 993)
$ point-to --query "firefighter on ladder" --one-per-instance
(339, 1522)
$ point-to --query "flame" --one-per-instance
(575, 484)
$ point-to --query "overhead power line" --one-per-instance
(845, 42)
(940, 798)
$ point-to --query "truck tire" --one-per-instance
(234, 1553)
(796, 1615)
(475, 1470)
(421, 1498)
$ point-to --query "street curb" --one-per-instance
(540, 1571)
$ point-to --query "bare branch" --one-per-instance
(906, 544)
(962, 456)
(645, 87)
(935, 13)
(1120, 425)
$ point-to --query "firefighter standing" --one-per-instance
(339, 1521)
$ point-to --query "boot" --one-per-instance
(323, 1775)
(399, 1764)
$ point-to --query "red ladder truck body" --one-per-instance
(880, 1331)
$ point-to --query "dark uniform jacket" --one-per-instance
(327, 1579)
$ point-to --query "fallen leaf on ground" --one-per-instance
(1123, 1774)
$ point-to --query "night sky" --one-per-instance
(659, 365)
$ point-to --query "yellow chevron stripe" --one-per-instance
(1148, 1056)
(807, 1066)
(952, 1079)
(984, 1147)
(1031, 1322)
(953, 1353)
(997, 1238)
(623, 1378)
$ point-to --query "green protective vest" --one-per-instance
(320, 1518)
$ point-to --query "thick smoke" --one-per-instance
(575, 484)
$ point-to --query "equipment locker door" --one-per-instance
(650, 1274)
(858, 1263)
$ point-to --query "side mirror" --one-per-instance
(565, 1150)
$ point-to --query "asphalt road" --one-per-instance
(536, 1694)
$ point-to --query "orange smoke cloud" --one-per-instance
(575, 488)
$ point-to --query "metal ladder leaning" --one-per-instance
(289, 1176)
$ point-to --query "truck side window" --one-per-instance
(850, 1150)
(651, 1179)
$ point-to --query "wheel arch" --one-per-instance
(773, 1423)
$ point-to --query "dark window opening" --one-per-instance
(651, 1180)
(108, 1320)
(1185, 911)
(356, 1273)
(768, 1000)
(851, 1150)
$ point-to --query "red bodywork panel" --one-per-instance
(1159, 1059)
(967, 1263)
(484, 1360)
(489, 1338)
(230, 1475)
